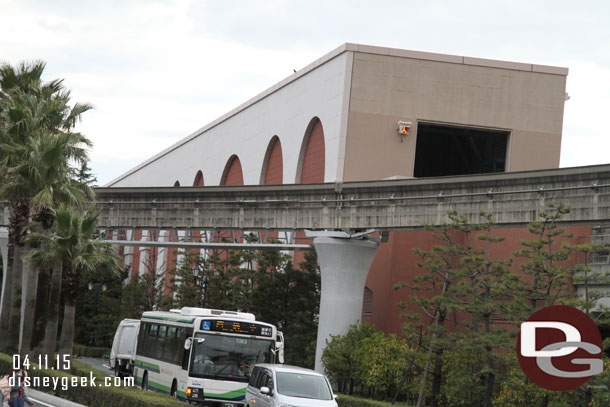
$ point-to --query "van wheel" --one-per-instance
(145, 381)
(117, 369)
(174, 391)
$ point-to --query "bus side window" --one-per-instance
(183, 334)
(142, 338)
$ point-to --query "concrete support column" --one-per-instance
(344, 265)
(4, 252)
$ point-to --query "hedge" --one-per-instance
(91, 351)
(355, 401)
(99, 396)
(132, 397)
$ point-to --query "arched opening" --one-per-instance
(312, 156)
(310, 169)
(272, 172)
(232, 174)
(198, 182)
(177, 183)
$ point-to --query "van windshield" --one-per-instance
(228, 357)
(303, 385)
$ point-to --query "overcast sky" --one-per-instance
(156, 71)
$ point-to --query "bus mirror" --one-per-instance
(188, 343)
(279, 352)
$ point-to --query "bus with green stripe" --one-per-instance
(203, 356)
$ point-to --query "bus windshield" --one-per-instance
(228, 357)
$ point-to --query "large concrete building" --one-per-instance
(336, 120)
(370, 113)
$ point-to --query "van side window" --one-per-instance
(254, 376)
(260, 379)
(268, 380)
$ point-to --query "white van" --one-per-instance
(123, 352)
(283, 385)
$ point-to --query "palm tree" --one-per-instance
(73, 248)
(37, 151)
(13, 82)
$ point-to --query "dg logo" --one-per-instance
(560, 348)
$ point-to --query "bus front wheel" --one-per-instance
(145, 381)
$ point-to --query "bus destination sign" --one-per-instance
(236, 327)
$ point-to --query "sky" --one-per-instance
(156, 71)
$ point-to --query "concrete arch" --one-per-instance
(232, 174)
(198, 181)
(312, 157)
(272, 172)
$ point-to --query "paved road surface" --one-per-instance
(99, 364)
(41, 399)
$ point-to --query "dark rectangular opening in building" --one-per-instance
(448, 150)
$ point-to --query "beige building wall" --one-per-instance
(391, 85)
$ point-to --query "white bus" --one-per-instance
(203, 356)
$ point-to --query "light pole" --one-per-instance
(203, 284)
(97, 303)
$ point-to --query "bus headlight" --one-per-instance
(192, 392)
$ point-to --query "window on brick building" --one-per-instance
(367, 303)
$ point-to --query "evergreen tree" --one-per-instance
(264, 283)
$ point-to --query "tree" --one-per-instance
(463, 280)
(442, 271)
(264, 283)
(76, 247)
(471, 303)
(591, 275)
(483, 286)
(37, 151)
(342, 357)
(45, 169)
(548, 281)
(387, 365)
(290, 299)
(13, 83)
(99, 310)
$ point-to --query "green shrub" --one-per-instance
(354, 401)
(90, 351)
(342, 356)
(99, 396)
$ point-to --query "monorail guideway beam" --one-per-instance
(513, 199)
